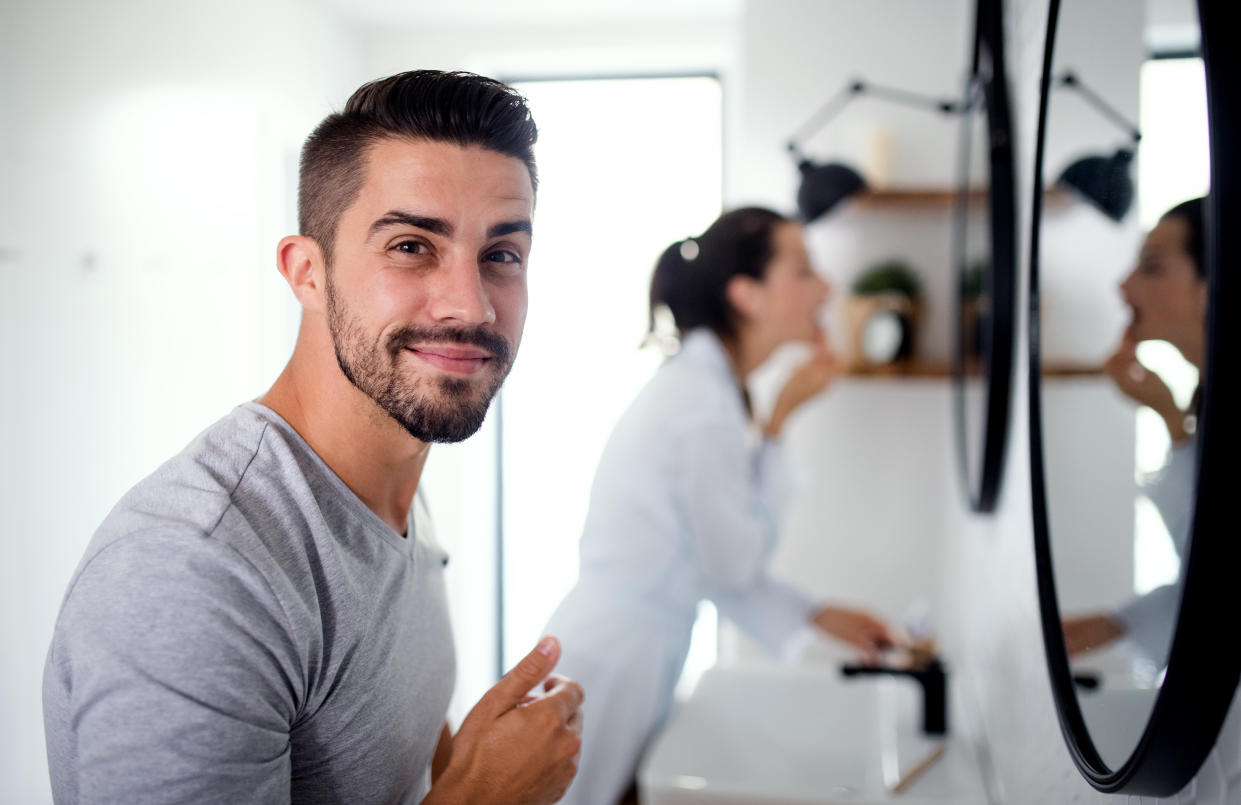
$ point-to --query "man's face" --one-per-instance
(426, 289)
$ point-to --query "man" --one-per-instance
(263, 618)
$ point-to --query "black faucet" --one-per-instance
(934, 681)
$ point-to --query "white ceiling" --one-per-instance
(525, 13)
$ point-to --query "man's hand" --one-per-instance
(517, 746)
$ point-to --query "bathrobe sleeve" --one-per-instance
(732, 495)
(1150, 619)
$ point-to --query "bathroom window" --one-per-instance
(626, 166)
(1172, 166)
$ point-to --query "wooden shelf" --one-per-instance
(1057, 369)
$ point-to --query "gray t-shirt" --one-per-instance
(243, 628)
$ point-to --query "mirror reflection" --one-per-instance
(1123, 304)
(973, 264)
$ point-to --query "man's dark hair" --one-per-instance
(460, 108)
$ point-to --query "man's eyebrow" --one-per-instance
(436, 226)
(509, 227)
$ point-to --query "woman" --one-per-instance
(686, 498)
(1167, 294)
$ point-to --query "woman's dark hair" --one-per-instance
(459, 108)
(1192, 213)
(691, 276)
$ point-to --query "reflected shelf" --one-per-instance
(1069, 369)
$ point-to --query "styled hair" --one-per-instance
(691, 276)
(459, 108)
(1192, 212)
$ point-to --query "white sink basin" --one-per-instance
(800, 736)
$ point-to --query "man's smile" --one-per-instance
(464, 360)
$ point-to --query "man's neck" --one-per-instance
(375, 457)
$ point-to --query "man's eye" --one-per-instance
(411, 247)
(503, 256)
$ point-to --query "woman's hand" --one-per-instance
(1145, 387)
(1088, 632)
(807, 380)
(859, 629)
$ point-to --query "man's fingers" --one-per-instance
(516, 684)
(564, 695)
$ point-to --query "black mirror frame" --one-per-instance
(1203, 670)
(983, 492)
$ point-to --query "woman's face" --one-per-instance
(792, 292)
(1164, 291)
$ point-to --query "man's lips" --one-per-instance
(449, 358)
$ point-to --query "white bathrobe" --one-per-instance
(1150, 619)
(685, 506)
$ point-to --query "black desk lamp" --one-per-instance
(823, 186)
(1103, 181)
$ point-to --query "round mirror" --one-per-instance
(1123, 333)
(984, 253)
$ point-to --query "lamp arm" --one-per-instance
(1069, 79)
(825, 113)
(913, 98)
(856, 87)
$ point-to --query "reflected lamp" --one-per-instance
(1105, 182)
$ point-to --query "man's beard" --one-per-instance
(432, 409)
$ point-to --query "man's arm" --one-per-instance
(170, 678)
(443, 753)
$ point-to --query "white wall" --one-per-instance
(147, 169)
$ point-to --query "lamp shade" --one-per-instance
(1103, 181)
(825, 186)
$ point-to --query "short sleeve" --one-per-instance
(172, 678)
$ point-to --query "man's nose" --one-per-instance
(459, 294)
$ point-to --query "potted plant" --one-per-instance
(882, 316)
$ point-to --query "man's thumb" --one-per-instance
(532, 670)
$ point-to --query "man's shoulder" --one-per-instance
(234, 484)
(176, 533)
(191, 491)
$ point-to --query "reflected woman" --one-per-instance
(1167, 294)
(686, 499)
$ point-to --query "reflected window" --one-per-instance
(1172, 167)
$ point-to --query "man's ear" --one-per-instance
(300, 261)
(744, 294)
